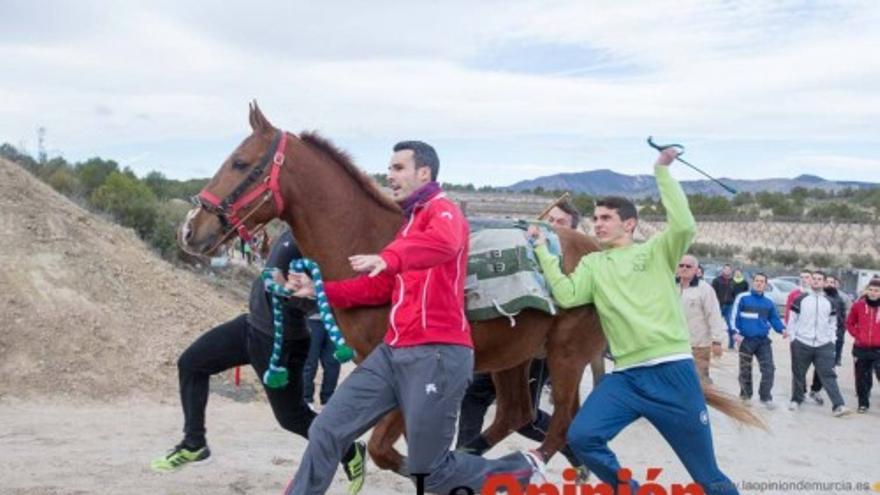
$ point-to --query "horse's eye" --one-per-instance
(239, 164)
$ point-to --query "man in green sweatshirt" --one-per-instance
(633, 288)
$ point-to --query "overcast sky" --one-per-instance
(504, 90)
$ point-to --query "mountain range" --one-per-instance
(605, 182)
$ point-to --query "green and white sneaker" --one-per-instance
(179, 457)
(356, 468)
(583, 474)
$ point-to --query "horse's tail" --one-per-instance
(732, 406)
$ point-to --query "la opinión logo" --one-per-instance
(507, 483)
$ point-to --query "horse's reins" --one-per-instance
(228, 209)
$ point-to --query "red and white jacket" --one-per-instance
(863, 323)
(424, 280)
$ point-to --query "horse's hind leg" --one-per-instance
(513, 408)
(576, 339)
(381, 443)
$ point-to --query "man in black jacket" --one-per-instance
(248, 339)
(723, 285)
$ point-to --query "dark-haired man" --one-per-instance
(724, 291)
(563, 214)
(633, 288)
(426, 360)
(481, 392)
(813, 329)
(752, 317)
(248, 339)
(863, 323)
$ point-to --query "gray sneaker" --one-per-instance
(539, 469)
(816, 398)
(794, 406)
(840, 411)
(769, 404)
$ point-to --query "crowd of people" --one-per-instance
(663, 323)
(816, 318)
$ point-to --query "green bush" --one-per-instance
(130, 201)
(64, 180)
(163, 237)
(786, 258)
(865, 261)
(821, 260)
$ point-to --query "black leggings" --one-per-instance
(481, 394)
(236, 343)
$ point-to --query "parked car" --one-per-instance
(796, 280)
(778, 289)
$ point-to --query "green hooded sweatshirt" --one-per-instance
(633, 287)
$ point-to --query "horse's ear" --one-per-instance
(251, 118)
(258, 121)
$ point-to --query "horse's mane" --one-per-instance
(322, 144)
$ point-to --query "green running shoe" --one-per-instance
(356, 468)
(179, 457)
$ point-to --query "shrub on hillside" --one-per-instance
(129, 200)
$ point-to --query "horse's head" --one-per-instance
(242, 195)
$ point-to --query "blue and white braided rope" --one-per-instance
(276, 376)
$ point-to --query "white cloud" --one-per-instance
(707, 72)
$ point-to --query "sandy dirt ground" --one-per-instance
(83, 448)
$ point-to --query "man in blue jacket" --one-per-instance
(751, 317)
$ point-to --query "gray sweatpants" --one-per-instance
(822, 357)
(427, 383)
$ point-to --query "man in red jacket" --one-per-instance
(426, 360)
(863, 323)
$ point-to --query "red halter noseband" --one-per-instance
(229, 208)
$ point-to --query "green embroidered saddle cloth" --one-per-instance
(503, 273)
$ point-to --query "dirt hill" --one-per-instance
(87, 309)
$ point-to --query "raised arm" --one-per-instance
(673, 241)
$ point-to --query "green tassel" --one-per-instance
(343, 353)
(275, 378)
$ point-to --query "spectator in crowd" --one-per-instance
(321, 350)
(806, 280)
(863, 323)
(813, 329)
(740, 284)
(723, 285)
(703, 316)
(752, 317)
(832, 288)
(840, 309)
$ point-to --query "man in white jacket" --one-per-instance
(813, 329)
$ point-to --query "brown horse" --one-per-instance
(335, 211)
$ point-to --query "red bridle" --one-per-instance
(229, 208)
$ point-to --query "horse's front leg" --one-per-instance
(513, 408)
(381, 443)
(574, 342)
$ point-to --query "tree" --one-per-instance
(93, 172)
(12, 154)
(130, 201)
(169, 216)
(584, 203)
(157, 183)
(64, 180)
(743, 198)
